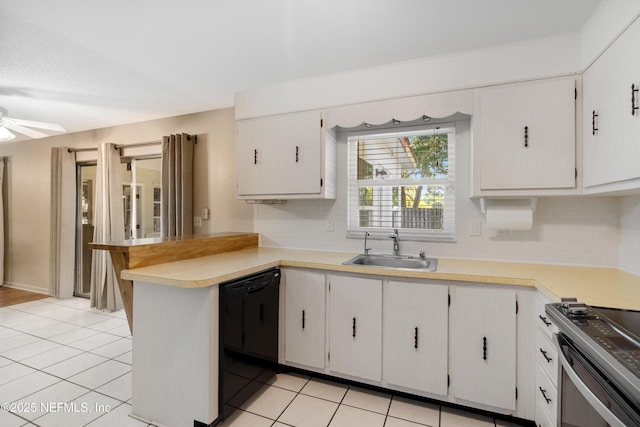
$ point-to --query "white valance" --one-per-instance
(406, 109)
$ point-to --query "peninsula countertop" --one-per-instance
(608, 287)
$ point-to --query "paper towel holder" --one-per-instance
(533, 201)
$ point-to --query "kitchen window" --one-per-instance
(402, 179)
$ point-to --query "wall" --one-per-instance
(549, 57)
(630, 234)
(605, 25)
(568, 230)
(27, 177)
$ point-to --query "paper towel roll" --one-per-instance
(510, 217)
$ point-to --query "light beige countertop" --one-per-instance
(595, 286)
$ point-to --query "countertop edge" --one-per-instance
(602, 286)
(133, 274)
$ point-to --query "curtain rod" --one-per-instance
(117, 147)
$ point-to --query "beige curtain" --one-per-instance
(177, 183)
(109, 227)
(1, 221)
(62, 241)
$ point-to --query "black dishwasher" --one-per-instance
(248, 329)
(249, 315)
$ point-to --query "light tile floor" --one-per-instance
(64, 364)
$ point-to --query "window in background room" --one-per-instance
(402, 179)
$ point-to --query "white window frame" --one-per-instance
(354, 230)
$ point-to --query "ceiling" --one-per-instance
(87, 64)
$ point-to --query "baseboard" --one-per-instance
(28, 288)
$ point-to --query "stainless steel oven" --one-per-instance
(600, 367)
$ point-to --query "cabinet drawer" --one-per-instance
(542, 418)
(546, 394)
(547, 355)
(544, 323)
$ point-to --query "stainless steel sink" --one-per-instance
(394, 262)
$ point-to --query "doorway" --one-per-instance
(141, 196)
(86, 181)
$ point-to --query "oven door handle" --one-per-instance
(591, 398)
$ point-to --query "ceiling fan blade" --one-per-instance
(25, 131)
(39, 125)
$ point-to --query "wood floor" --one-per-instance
(10, 296)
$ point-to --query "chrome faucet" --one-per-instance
(396, 247)
(366, 249)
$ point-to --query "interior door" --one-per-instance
(86, 179)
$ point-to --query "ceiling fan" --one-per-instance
(8, 124)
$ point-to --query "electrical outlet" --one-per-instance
(330, 225)
(205, 213)
(197, 221)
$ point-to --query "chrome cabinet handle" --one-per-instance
(302, 319)
(255, 157)
(526, 136)
(634, 107)
(594, 129)
(415, 339)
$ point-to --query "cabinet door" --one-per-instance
(526, 136)
(416, 329)
(627, 72)
(279, 155)
(484, 346)
(598, 128)
(305, 318)
(611, 154)
(256, 160)
(355, 332)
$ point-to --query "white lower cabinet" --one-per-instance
(305, 310)
(355, 327)
(415, 336)
(547, 369)
(484, 346)
(416, 329)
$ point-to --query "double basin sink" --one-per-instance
(394, 262)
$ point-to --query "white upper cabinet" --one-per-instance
(524, 138)
(611, 123)
(285, 157)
